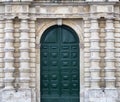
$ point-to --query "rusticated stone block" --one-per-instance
(32, 50)
(32, 64)
(87, 50)
(2, 55)
(87, 85)
(32, 85)
(87, 55)
(86, 60)
(32, 40)
(32, 35)
(86, 40)
(87, 65)
(33, 70)
(33, 60)
(32, 55)
(87, 44)
(32, 45)
(32, 75)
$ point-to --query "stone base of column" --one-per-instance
(102, 95)
(11, 95)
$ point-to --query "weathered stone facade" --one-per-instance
(97, 23)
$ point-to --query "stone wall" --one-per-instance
(21, 27)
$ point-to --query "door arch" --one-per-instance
(59, 65)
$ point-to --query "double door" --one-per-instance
(59, 65)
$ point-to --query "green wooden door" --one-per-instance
(59, 65)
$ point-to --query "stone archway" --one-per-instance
(39, 31)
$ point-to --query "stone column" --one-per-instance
(94, 48)
(9, 51)
(24, 54)
(110, 55)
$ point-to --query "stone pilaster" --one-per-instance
(102, 50)
(94, 48)
(32, 53)
(16, 52)
(1, 52)
(87, 52)
(24, 54)
(117, 50)
(9, 51)
(110, 55)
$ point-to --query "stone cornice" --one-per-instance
(109, 15)
(83, 6)
(16, 3)
(35, 15)
(65, 3)
(102, 3)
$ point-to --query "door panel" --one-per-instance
(59, 65)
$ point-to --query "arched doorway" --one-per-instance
(59, 65)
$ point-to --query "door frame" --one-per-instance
(79, 32)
